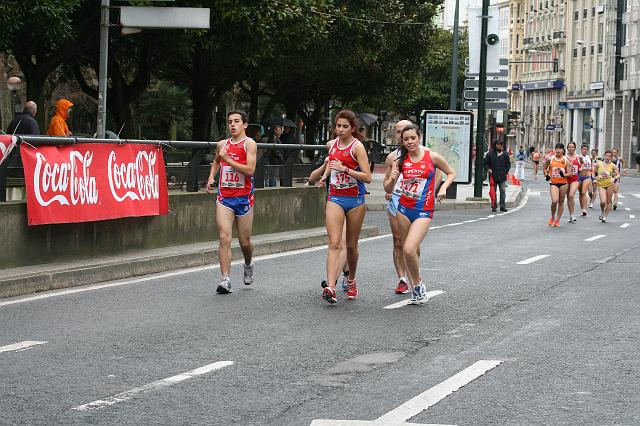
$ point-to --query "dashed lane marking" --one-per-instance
(624, 225)
(533, 193)
(595, 237)
(21, 346)
(422, 402)
(124, 396)
(621, 196)
(627, 209)
(632, 216)
(532, 259)
(636, 195)
(405, 302)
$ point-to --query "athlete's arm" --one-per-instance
(215, 165)
(394, 173)
(440, 163)
(317, 173)
(388, 182)
(364, 175)
(327, 170)
(246, 169)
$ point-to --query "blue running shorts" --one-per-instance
(347, 203)
(413, 214)
(240, 206)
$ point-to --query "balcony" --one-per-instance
(559, 35)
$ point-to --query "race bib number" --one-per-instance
(574, 169)
(340, 180)
(231, 178)
(413, 187)
(604, 175)
(555, 172)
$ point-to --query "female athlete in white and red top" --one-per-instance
(236, 161)
(417, 167)
(572, 179)
(348, 170)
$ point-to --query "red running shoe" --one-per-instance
(352, 290)
(402, 288)
(329, 293)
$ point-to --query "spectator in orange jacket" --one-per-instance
(58, 125)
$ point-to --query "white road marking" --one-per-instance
(532, 259)
(405, 302)
(56, 293)
(621, 203)
(152, 386)
(636, 195)
(20, 346)
(533, 193)
(595, 237)
(422, 402)
(621, 196)
(627, 209)
(632, 216)
(624, 225)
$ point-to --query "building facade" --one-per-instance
(630, 84)
(542, 84)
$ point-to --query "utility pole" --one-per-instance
(102, 77)
(453, 99)
(482, 89)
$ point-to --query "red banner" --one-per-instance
(7, 142)
(87, 182)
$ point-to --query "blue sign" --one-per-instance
(563, 105)
(516, 86)
(551, 127)
(545, 84)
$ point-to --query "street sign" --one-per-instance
(516, 86)
(493, 94)
(487, 105)
(165, 17)
(468, 84)
(500, 73)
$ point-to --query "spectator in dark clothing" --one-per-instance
(24, 123)
(498, 165)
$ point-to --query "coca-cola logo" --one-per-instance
(135, 180)
(67, 183)
(6, 145)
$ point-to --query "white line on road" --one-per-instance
(152, 386)
(621, 196)
(405, 302)
(20, 346)
(636, 195)
(55, 293)
(532, 259)
(534, 193)
(627, 209)
(621, 203)
(632, 216)
(418, 404)
(624, 225)
(595, 237)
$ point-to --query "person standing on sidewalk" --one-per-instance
(58, 125)
(348, 171)
(521, 157)
(498, 165)
(236, 161)
(24, 123)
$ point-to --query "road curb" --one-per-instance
(46, 277)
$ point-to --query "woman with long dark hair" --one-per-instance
(417, 166)
(347, 171)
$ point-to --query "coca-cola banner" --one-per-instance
(7, 142)
(87, 182)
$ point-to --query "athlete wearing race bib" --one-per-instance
(417, 167)
(584, 178)
(572, 179)
(619, 163)
(556, 169)
(347, 171)
(235, 161)
(605, 173)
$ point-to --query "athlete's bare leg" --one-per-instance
(355, 218)
(334, 221)
(224, 220)
(571, 201)
(244, 225)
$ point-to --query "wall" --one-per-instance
(191, 219)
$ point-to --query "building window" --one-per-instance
(593, 48)
(546, 4)
(584, 51)
(600, 48)
(576, 15)
(585, 13)
(593, 11)
(575, 53)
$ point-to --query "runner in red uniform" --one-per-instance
(417, 168)
(572, 179)
(236, 162)
(349, 171)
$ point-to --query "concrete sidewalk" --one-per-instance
(464, 199)
(31, 279)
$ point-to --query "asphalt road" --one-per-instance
(561, 328)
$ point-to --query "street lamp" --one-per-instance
(13, 84)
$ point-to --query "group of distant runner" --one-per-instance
(585, 174)
(411, 174)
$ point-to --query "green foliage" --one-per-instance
(162, 108)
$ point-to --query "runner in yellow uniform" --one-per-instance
(605, 172)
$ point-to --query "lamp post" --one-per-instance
(13, 84)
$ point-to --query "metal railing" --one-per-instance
(286, 172)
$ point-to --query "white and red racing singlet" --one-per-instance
(232, 183)
(418, 183)
(341, 184)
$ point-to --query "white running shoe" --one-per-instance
(248, 274)
(225, 286)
